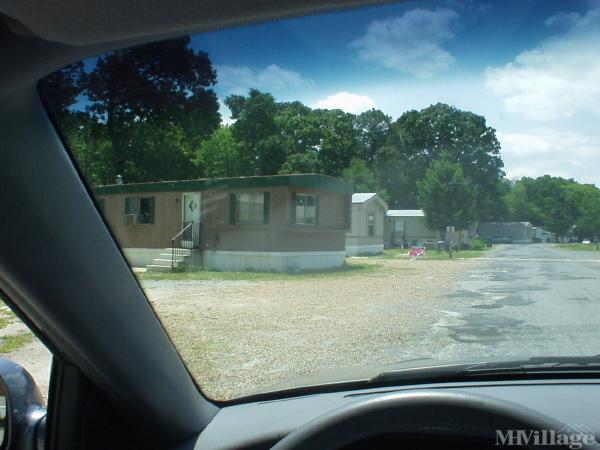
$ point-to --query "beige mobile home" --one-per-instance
(274, 223)
(404, 227)
(366, 233)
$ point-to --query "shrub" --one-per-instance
(478, 244)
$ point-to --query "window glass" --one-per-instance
(306, 209)
(249, 208)
(476, 123)
(139, 210)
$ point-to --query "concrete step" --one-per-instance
(169, 256)
(165, 261)
(158, 268)
(181, 251)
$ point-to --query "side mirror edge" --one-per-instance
(25, 415)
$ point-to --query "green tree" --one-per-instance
(447, 196)
(418, 138)
(61, 89)
(543, 202)
(161, 88)
(361, 177)
(338, 143)
(584, 199)
(219, 156)
(307, 162)
(89, 143)
(372, 129)
(256, 131)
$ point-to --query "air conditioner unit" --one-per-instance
(130, 219)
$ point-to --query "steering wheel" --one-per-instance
(458, 414)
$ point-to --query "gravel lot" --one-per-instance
(239, 337)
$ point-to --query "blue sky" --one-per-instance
(531, 67)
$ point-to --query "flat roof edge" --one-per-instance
(308, 181)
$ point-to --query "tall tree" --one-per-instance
(362, 178)
(256, 131)
(338, 143)
(166, 84)
(61, 89)
(584, 201)
(219, 156)
(418, 138)
(447, 196)
(543, 202)
(372, 129)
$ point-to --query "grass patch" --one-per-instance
(14, 342)
(396, 253)
(203, 273)
(5, 321)
(580, 247)
(461, 254)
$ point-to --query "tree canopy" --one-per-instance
(150, 113)
(147, 108)
(557, 205)
(447, 196)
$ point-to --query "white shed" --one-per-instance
(366, 232)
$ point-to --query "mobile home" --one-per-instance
(272, 223)
(366, 232)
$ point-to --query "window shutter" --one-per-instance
(316, 210)
(232, 208)
(127, 209)
(151, 207)
(294, 200)
(266, 207)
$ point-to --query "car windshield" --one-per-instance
(310, 199)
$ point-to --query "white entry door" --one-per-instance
(191, 205)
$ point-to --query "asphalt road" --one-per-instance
(527, 300)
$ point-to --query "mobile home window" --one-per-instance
(306, 209)
(250, 208)
(142, 208)
(371, 223)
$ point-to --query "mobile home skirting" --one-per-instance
(141, 257)
(272, 261)
(366, 249)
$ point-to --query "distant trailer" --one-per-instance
(507, 232)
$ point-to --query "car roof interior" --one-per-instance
(37, 38)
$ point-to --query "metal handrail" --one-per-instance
(182, 231)
(178, 249)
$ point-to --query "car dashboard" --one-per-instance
(261, 424)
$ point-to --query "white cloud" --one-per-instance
(559, 79)
(547, 151)
(225, 114)
(239, 79)
(351, 103)
(410, 43)
(563, 19)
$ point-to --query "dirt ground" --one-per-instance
(239, 337)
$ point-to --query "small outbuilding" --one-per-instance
(269, 223)
(366, 233)
(404, 227)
